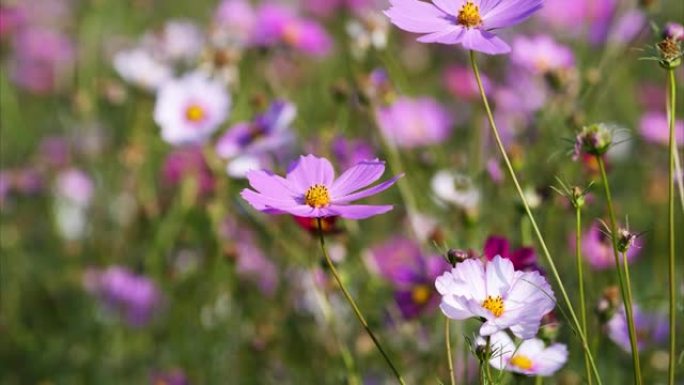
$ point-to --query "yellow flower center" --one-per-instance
(195, 113)
(317, 196)
(469, 15)
(292, 34)
(494, 305)
(523, 362)
(420, 294)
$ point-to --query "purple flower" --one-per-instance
(523, 258)
(135, 296)
(674, 31)
(172, 377)
(411, 272)
(580, 16)
(467, 22)
(651, 328)
(75, 186)
(460, 81)
(188, 162)
(349, 152)
(541, 54)
(311, 190)
(410, 123)
(655, 128)
(597, 248)
(495, 292)
(276, 24)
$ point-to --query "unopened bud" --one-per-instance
(594, 139)
(456, 256)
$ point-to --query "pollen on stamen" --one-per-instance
(195, 113)
(469, 15)
(317, 196)
(494, 305)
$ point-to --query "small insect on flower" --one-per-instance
(470, 23)
(495, 292)
(531, 357)
(310, 189)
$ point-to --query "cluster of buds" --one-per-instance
(594, 140)
(575, 195)
(670, 47)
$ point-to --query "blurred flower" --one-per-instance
(368, 30)
(188, 162)
(348, 152)
(594, 140)
(411, 123)
(11, 19)
(494, 291)
(73, 194)
(54, 151)
(42, 58)
(279, 25)
(655, 128)
(176, 41)
(411, 273)
(531, 357)
(541, 54)
(190, 109)
(459, 22)
(461, 82)
(326, 8)
(674, 31)
(173, 377)
(597, 248)
(311, 190)
(651, 328)
(245, 143)
(494, 170)
(455, 188)
(575, 18)
(523, 258)
(136, 297)
(627, 27)
(139, 67)
(76, 186)
(234, 22)
(252, 264)
(328, 224)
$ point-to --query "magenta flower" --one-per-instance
(597, 248)
(541, 54)
(415, 122)
(470, 23)
(311, 190)
(654, 127)
(523, 258)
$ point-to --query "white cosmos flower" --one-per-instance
(495, 292)
(458, 189)
(191, 108)
(137, 66)
(532, 357)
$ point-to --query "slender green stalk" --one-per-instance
(485, 362)
(580, 279)
(626, 292)
(672, 87)
(352, 303)
(539, 380)
(533, 222)
(450, 359)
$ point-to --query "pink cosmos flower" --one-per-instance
(651, 328)
(280, 25)
(411, 123)
(467, 22)
(654, 127)
(311, 190)
(496, 292)
(541, 54)
(597, 248)
(531, 357)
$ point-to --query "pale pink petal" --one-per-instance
(483, 41)
(367, 192)
(508, 13)
(311, 170)
(451, 35)
(358, 211)
(357, 177)
(417, 16)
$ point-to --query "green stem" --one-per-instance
(580, 279)
(671, 265)
(625, 287)
(485, 362)
(352, 303)
(537, 232)
(539, 380)
(450, 360)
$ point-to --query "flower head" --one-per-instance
(523, 258)
(310, 189)
(411, 123)
(594, 140)
(541, 54)
(531, 357)
(654, 127)
(467, 22)
(650, 328)
(190, 109)
(493, 291)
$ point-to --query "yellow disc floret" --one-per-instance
(420, 294)
(317, 196)
(469, 15)
(522, 362)
(494, 305)
(195, 113)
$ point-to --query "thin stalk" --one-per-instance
(450, 360)
(537, 232)
(672, 87)
(580, 279)
(352, 303)
(626, 292)
(539, 380)
(487, 366)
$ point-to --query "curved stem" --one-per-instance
(450, 360)
(533, 222)
(625, 287)
(672, 95)
(580, 279)
(352, 303)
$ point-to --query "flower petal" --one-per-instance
(451, 35)
(262, 202)
(357, 177)
(482, 41)
(450, 7)
(499, 275)
(358, 211)
(311, 170)
(417, 16)
(367, 192)
(271, 185)
(508, 13)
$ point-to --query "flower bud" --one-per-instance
(594, 140)
(456, 256)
